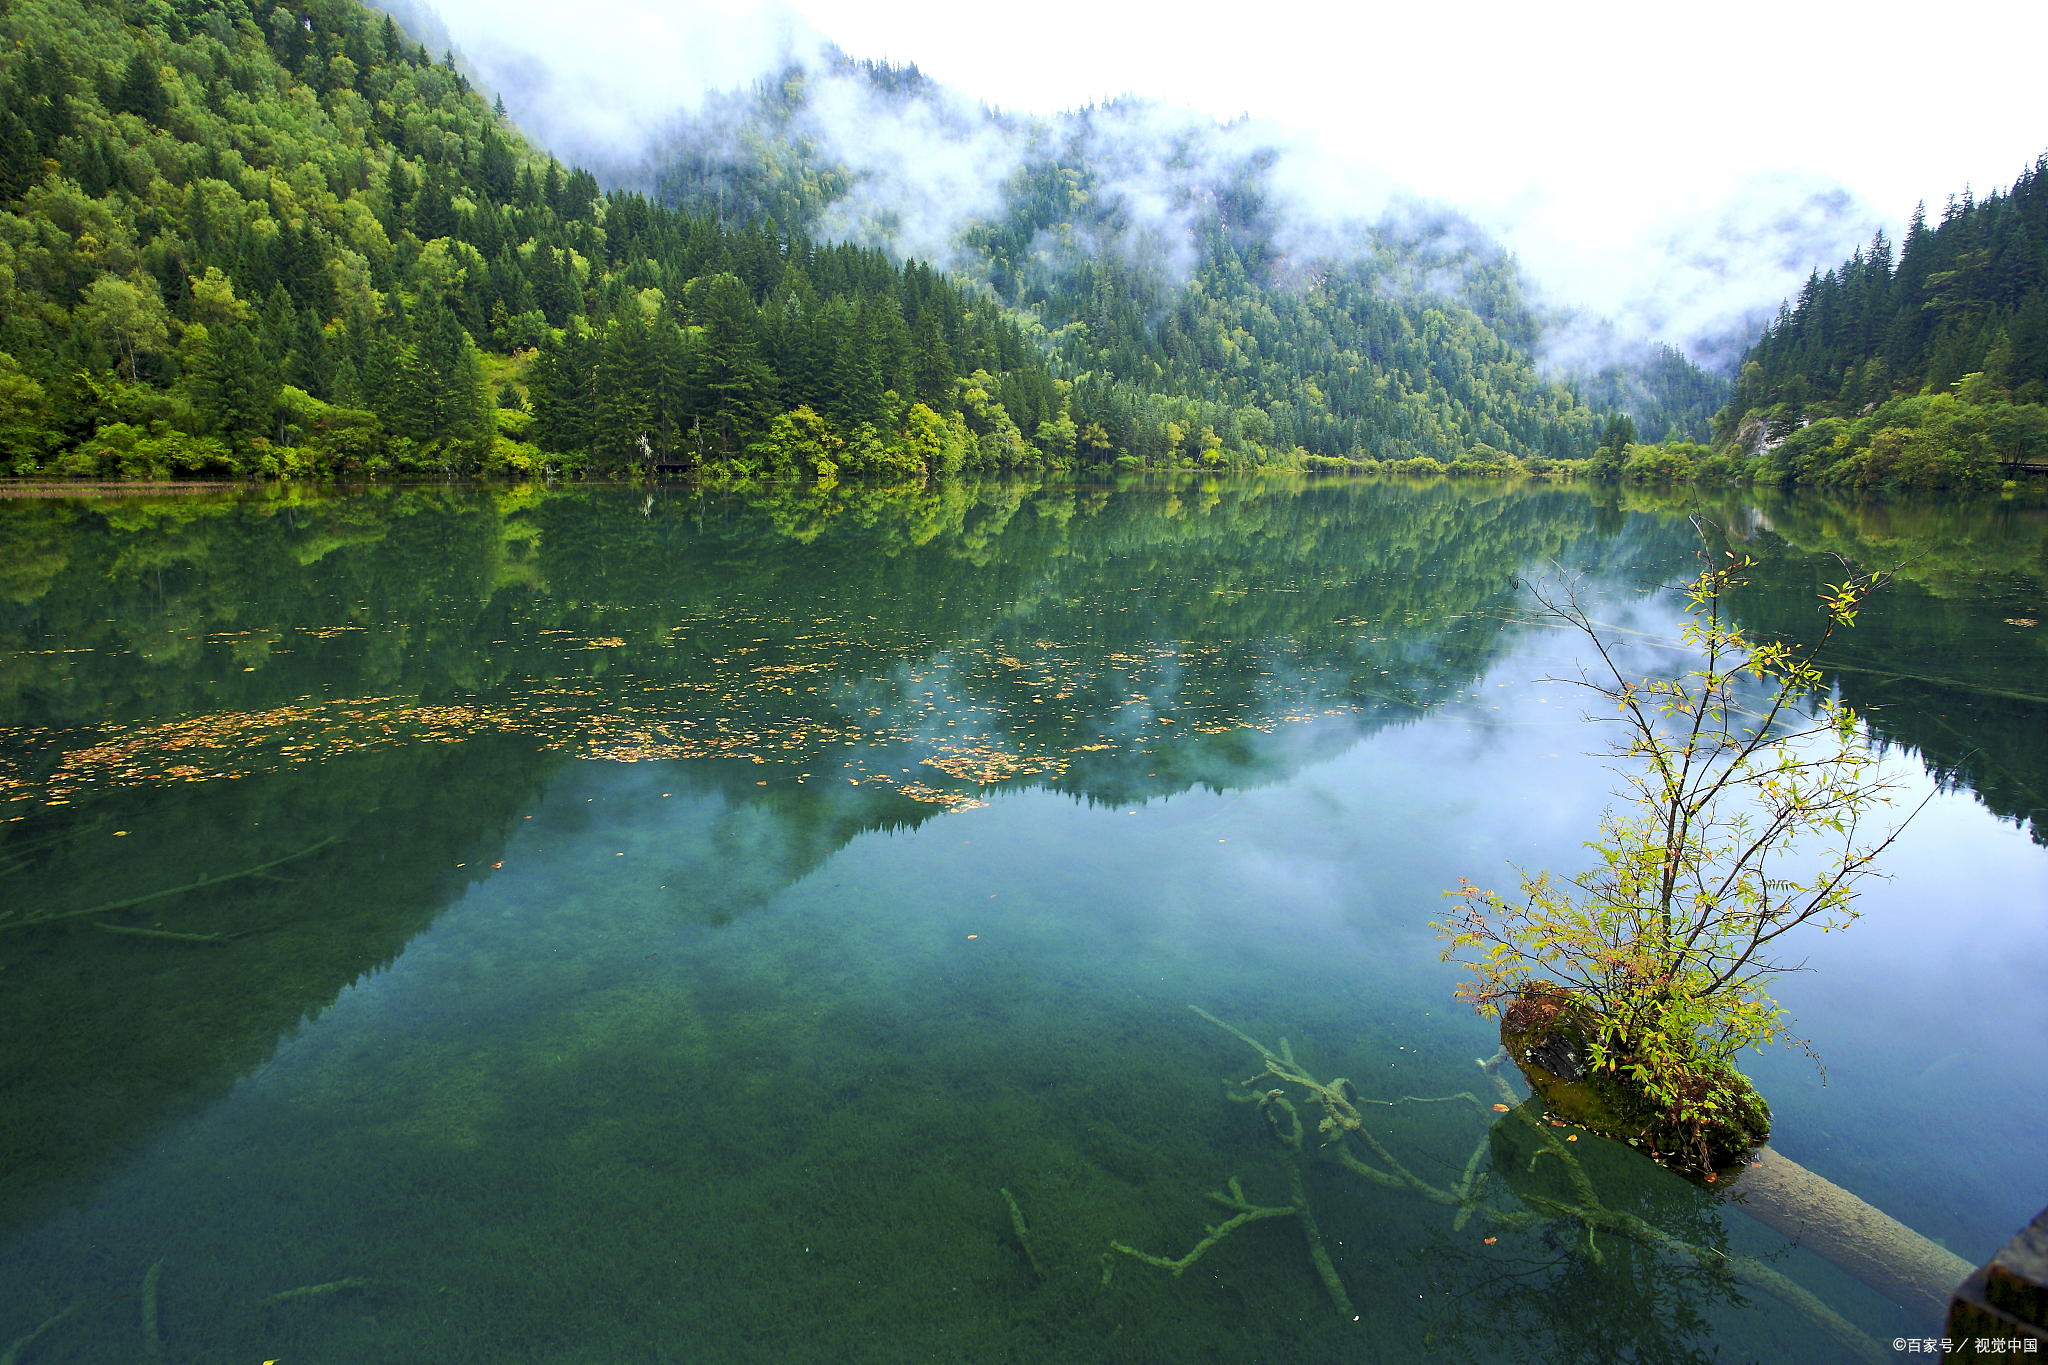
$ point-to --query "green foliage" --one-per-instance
(27, 425)
(1943, 440)
(706, 371)
(202, 215)
(1676, 462)
(202, 209)
(1967, 296)
(1740, 822)
(802, 443)
(1367, 363)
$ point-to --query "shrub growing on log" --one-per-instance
(1631, 988)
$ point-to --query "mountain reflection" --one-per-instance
(1006, 633)
(385, 682)
(1950, 663)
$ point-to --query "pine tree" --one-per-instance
(551, 188)
(562, 388)
(733, 389)
(433, 212)
(495, 168)
(275, 323)
(234, 385)
(141, 91)
(20, 165)
(394, 388)
(2015, 272)
(932, 369)
(347, 389)
(625, 392)
(94, 175)
(856, 363)
(458, 404)
(304, 268)
(307, 366)
(670, 373)
(550, 289)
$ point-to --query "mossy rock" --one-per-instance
(1549, 1031)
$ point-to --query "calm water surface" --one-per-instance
(600, 926)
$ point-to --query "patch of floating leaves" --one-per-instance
(897, 691)
(986, 765)
(232, 744)
(939, 796)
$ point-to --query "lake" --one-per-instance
(576, 925)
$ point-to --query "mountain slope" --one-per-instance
(301, 246)
(1929, 370)
(1169, 257)
(304, 247)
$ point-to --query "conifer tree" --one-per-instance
(306, 366)
(625, 384)
(141, 91)
(233, 385)
(733, 388)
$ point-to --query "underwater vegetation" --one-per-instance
(1537, 1204)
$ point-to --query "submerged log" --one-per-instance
(1546, 1033)
(1829, 1221)
(1550, 1033)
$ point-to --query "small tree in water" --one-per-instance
(1630, 988)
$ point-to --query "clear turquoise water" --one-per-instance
(632, 987)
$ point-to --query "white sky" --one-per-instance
(1594, 138)
(1493, 99)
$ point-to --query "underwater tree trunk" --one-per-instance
(1867, 1242)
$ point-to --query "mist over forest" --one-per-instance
(1707, 258)
(1040, 209)
(1133, 196)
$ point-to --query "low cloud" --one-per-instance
(595, 89)
(1703, 270)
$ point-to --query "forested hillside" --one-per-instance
(299, 245)
(1928, 369)
(1415, 347)
(232, 248)
(1209, 329)
(1665, 396)
(302, 246)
